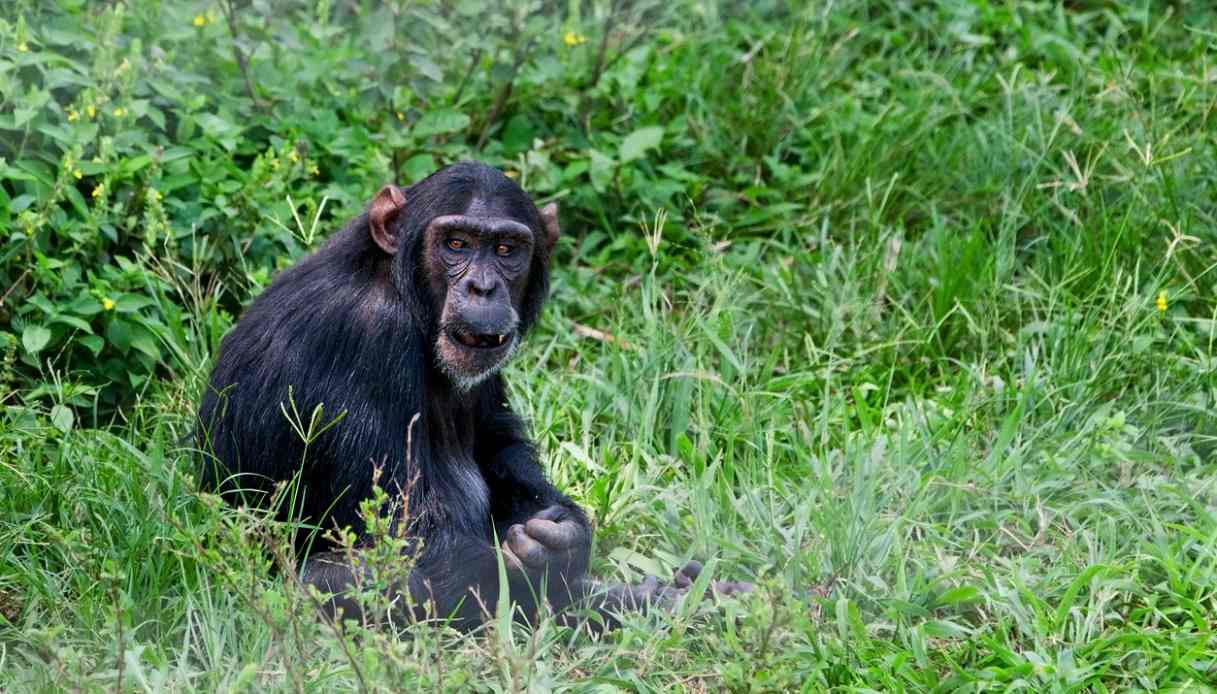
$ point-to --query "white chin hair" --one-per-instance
(466, 382)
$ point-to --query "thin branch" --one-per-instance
(13, 288)
(230, 15)
(643, 33)
(500, 101)
(645, 22)
(609, 21)
(293, 576)
(460, 90)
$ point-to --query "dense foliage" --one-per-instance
(910, 301)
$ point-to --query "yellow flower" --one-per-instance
(1161, 302)
(91, 110)
(78, 174)
(107, 304)
(99, 190)
(23, 47)
(315, 171)
(400, 117)
(72, 115)
(293, 156)
(120, 112)
(200, 20)
(573, 39)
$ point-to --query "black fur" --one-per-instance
(354, 329)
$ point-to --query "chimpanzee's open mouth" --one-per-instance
(477, 341)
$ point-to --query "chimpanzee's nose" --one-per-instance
(481, 285)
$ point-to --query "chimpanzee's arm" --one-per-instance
(519, 490)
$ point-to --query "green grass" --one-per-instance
(893, 350)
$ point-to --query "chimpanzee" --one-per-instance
(402, 321)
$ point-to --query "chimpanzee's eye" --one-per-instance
(455, 244)
(503, 249)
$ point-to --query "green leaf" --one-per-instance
(129, 303)
(92, 343)
(34, 338)
(22, 201)
(418, 167)
(173, 154)
(144, 341)
(78, 201)
(156, 116)
(600, 170)
(59, 133)
(518, 134)
(216, 127)
(219, 130)
(135, 164)
(21, 116)
(946, 629)
(1070, 597)
(74, 322)
(958, 594)
(85, 305)
(62, 418)
(119, 335)
(441, 121)
(147, 345)
(427, 68)
(636, 144)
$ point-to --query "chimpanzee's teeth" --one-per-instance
(475, 340)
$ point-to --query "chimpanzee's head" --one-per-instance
(477, 246)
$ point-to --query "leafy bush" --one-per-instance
(157, 154)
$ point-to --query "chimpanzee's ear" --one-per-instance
(549, 216)
(385, 206)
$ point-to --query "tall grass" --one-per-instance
(926, 350)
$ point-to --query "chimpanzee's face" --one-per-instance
(478, 264)
(484, 262)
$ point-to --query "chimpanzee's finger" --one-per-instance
(527, 549)
(685, 577)
(551, 534)
(729, 588)
(553, 513)
(649, 586)
(510, 560)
